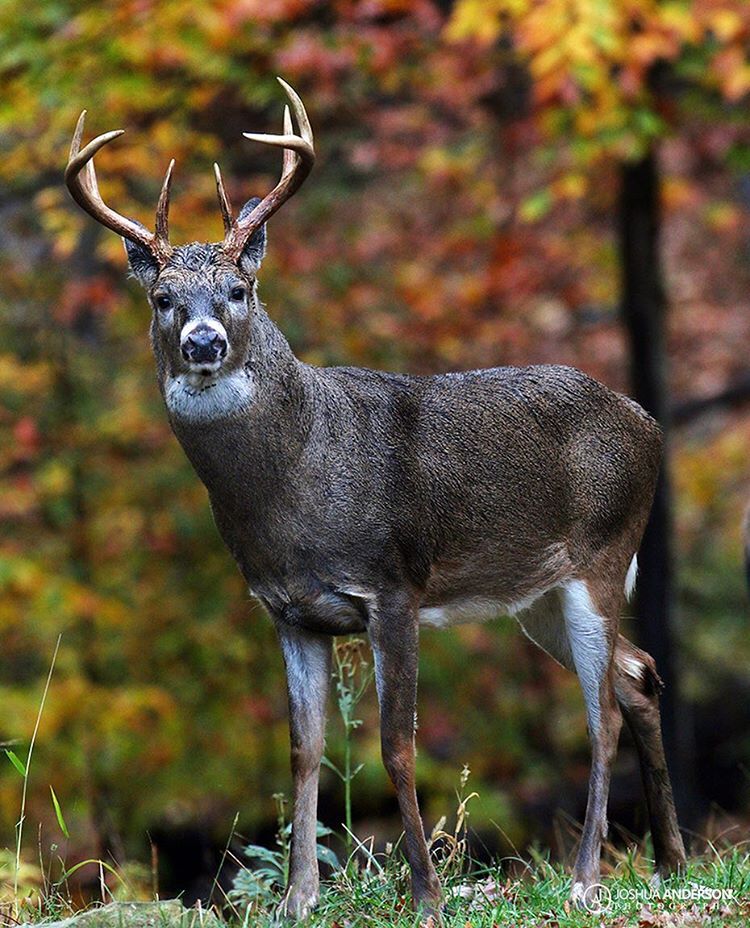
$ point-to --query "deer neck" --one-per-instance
(253, 423)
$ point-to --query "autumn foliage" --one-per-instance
(460, 215)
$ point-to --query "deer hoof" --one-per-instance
(589, 895)
(429, 913)
(297, 905)
(670, 863)
(433, 920)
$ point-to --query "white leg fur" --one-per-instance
(588, 642)
(305, 665)
(544, 624)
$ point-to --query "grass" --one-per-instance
(715, 890)
(25, 768)
(371, 890)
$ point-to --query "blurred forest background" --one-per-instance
(498, 182)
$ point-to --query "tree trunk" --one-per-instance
(644, 312)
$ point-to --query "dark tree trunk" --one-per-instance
(644, 312)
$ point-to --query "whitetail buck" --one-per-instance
(356, 500)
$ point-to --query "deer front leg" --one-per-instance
(394, 634)
(308, 669)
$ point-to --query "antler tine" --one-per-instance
(299, 111)
(80, 179)
(302, 143)
(289, 158)
(162, 208)
(89, 176)
(298, 159)
(75, 142)
(224, 202)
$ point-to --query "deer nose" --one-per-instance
(204, 345)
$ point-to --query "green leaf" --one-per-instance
(331, 766)
(91, 860)
(256, 852)
(58, 813)
(16, 761)
(327, 856)
(535, 206)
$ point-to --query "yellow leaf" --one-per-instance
(726, 24)
(474, 19)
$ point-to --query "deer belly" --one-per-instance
(464, 611)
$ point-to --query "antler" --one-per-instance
(299, 157)
(80, 178)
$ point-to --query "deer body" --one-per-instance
(356, 500)
(472, 489)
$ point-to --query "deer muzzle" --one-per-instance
(204, 345)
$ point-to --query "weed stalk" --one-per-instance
(352, 675)
(27, 767)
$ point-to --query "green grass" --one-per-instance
(372, 890)
(714, 890)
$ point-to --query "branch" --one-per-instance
(734, 395)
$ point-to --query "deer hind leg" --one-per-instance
(568, 626)
(637, 686)
(591, 614)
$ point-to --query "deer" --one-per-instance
(361, 501)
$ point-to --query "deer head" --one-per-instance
(202, 295)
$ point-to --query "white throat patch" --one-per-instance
(198, 398)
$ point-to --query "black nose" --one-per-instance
(204, 345)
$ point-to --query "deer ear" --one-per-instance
(142, 263)
(255, 250)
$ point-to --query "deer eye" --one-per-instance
(163, 302)
(237, 294)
